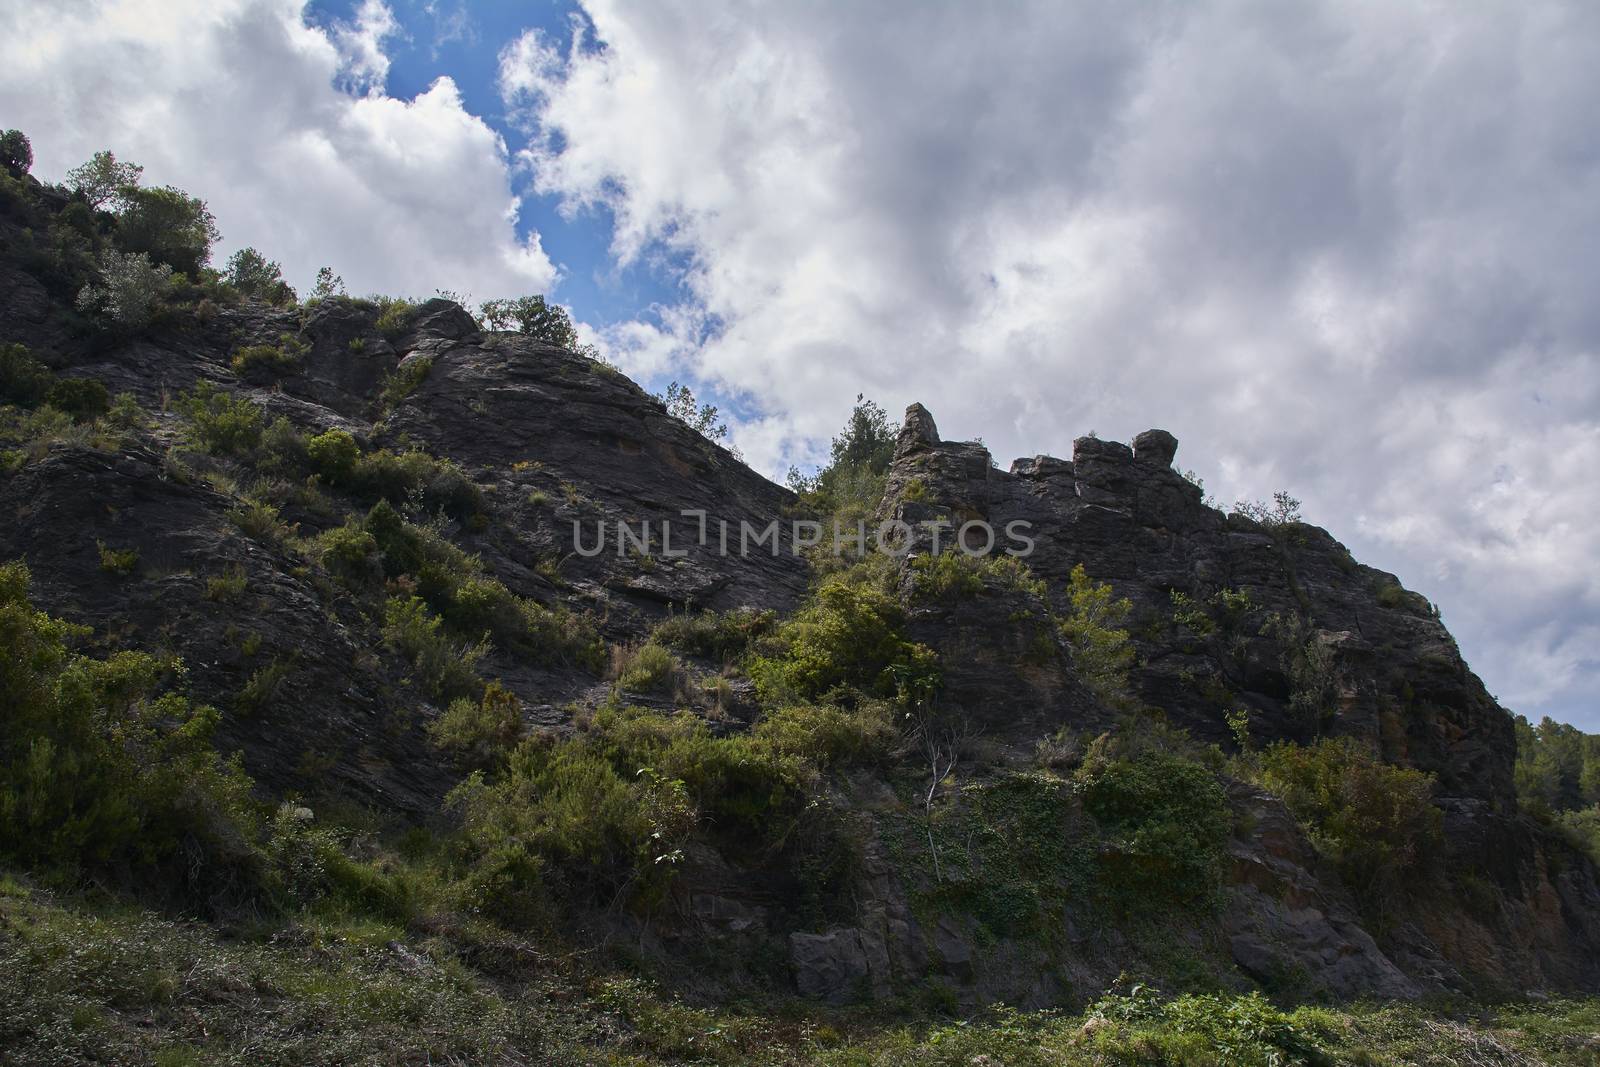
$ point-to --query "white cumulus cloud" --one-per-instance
(1345, 249)
(242, 103)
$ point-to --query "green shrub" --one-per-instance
(253, 274)
(823, 735)
(173, 228)
(262, 687)
(1376, 822)
(1010, 851)
(650, 668)
(851, 486)
(282, 450)
(1282, 513)
(1191, 614)
(1582, 828)
(559, 635)
(222, 424)
(119, 561)
(97, 766)
(473, 604)
(394, 315)
(226, 587)
(1557, 767)
(532, 317)
(269, 361)
(40, 430)
(1165, 821)
(333, 455)
(563, 813)
(723, 637)
(612, 808)
(481, 733)
(130, 290)
(447, 669)
(954, 575)
(259, 520)
(946, 576)
(1101, 650)
(849, 635)
(350, 554)
(309, 867)
(85, 399)
(1240, 1031)
(126, 414)
(415, 476)
(404, 380)
(23, 379)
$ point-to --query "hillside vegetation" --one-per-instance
(326, 739)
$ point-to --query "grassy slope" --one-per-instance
(93, 980)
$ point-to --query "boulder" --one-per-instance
(1155, 447)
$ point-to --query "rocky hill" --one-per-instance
(1209, 749)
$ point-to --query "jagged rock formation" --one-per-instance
(1386, 667)
(1396, 678)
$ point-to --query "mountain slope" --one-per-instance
(1211, 750)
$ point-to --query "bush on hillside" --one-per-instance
(99, 768)
(480, 733)
(23, 379)
(723, 637)
(222, 424)
(849, 635)
(446, 669)
(173, 228)
(534, 317)
(129, 291)
(85, 399)
(1376, 822)
(1095, 632)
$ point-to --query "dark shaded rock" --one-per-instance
(917, 431)
(444, 319)
(831, 966)
(535, 419)
(1156, 447)
(330, 725)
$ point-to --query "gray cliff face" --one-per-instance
(603, 452)
(550, 439)
(1382, 662)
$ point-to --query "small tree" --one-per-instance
(1283, 511)
(702, 418)
(1094, 631)
(328, 285)
(867, 441)
(16, 153)
(169, 225)
(852, 483)
(255, 275)
(104, 180)
(130, 288)
(533, 317)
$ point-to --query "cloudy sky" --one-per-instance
(1346, 249)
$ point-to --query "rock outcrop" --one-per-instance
(1384, 667)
